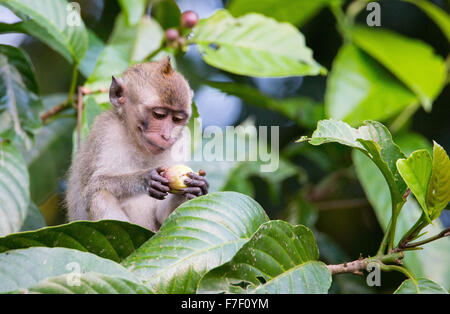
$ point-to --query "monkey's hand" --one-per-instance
(197, 185)
(156, 185)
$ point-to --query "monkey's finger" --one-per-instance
(195, 176)
(200, 183)
(156, 176)
(156, 194)
(160, 170)
(193, 190)
(159, 187)
(190, 196)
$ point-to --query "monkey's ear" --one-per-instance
(117, 92)
(166, 67)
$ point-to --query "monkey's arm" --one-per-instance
(128, 185)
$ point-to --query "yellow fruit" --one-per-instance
(176, 176)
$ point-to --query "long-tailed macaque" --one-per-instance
(117, 173)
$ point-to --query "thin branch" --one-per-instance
(444, 233)
(54, 110)
(356, 267)
(73, 84)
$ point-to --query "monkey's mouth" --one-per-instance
(152, 146)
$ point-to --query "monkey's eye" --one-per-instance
(177, 119)
(159, 115)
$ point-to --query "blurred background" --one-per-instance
(316, 186)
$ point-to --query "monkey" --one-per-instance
(118, 171)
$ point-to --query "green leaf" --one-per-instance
(24, 268)
(149, 38)
(127, 45)
(254, 45)
(423, 286)
(358, 88)
(89, 283)
(47, 160)
(19, 59)
(91, 109)
(167, 13)
(133, 10)
(14, 189)
(373, 139)
(301, 110)
(199, 235)
(34, 219)
(19, 104)
(239, 179)
(416, 171)
(432, 261)
(410, 142)
(279, 258)
(295, 12)
(440, 17)
(96, 46)
(411, 61)
(109, 239)
(48, 21)
(438, 194)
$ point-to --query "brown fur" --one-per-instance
(106, 179)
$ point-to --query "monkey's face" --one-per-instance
(155, 101)
(159, 127)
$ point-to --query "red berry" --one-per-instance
(172, 34)
(189, 19)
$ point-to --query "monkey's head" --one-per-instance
(154, 102)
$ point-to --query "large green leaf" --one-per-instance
(358, 89)
(95, 48)
(51, 22)
(303, 111)
(295, 12)
(20, 60)
(199, 235)
(133, 10)
(34, 219)
(89, 283)
(422, 286)
(438, 194)
(440, 17)
(127, 45)
(14, 189)
(412, 61)
(279, 258)
(47, 160)
(416, 171)
(432, 261)
(373, 139)
(109, 239)
(24, 268)
(19, 104)
(254, 45)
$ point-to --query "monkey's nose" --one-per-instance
(165, 136)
